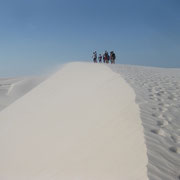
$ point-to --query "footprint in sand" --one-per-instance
(175, 138)
(166, 105)
(151, 98)
(162, 109)
(172, 98)
(154, 108)
(161, 116)
(162, 123)
(175, 149)
(158, 100)
(168, 118)
(163, 105)
(159, 94)
(158, 131)
(154, 114)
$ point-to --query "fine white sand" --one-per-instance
(80, 124)
(158, 95)
(13, 88)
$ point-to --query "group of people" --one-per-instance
(106, 57)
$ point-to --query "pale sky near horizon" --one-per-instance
(37, 35)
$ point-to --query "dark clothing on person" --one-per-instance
(95, 57)
(106, 57)
(100, 58)
(112, 57)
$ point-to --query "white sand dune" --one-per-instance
(13, 88)
(80, 124)
(158, 95)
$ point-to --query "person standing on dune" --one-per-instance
(100, 58)
(95, 57)
(106, 57)
(112, 57)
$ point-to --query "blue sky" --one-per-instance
(38, 35)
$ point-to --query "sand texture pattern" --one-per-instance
(158, 95)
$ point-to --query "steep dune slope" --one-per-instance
(81, 123)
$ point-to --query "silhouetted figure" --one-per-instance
(106, 57)
(112, 57)
(100, 58)
(95, 57)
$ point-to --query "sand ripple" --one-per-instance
(158, 95)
